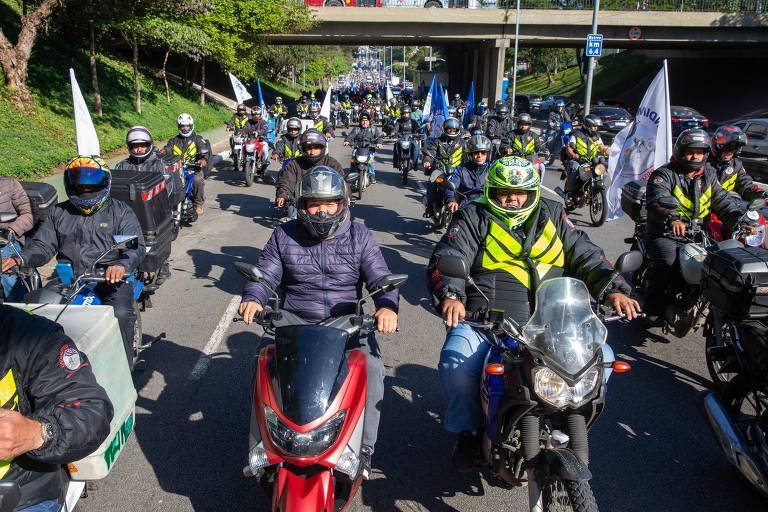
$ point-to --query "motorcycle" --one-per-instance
(184, 212)
(405, 149)
(237, 149)
(544, 385)
(362, 159)
(309, 405)
(591, 190)
(345, 115)
(254, 148)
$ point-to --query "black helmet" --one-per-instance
(592, 123)
(312, 137)
(405, 109)
(728, 136)
(139, 135)
(524, 118)
(415, 104)
(478, 143)
(450, 124)
(322, 183)
(364, 115)
(498, 104)
(292, 124)
(694, 138)
(241, 108)
(502, 109)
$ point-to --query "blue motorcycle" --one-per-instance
(558, 140)
(544, 385)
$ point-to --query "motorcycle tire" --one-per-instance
(236, 161)
(248, 173)
(175, 231)
(138, 335)
(560, 495)
(404, 168)
(361, 182)
(598, 208)
(719, 378)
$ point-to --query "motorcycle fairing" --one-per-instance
(294, 492)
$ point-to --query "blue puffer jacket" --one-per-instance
(470, 180)
(320, 279)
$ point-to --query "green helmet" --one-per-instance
(512, 173)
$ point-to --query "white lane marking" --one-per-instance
(550, 191)
(204, 361)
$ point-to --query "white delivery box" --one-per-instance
(95, 331)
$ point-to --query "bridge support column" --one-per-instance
(496, 54)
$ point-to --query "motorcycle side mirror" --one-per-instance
(125, 242)
(10, 495)
(250, 272)
(7, 217)
(629, 262)
(391, 282)
(453, 266)
(352, 177)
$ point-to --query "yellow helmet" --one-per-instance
(512, 173)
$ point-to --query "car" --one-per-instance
(549, 102)
(522, 104)
(534, 100)
(617, 104)
(755, 154)
(684, 118)
(614, 120)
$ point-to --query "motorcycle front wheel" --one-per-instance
(248, 168)
(560, 495)
(598, 211)
(361, 182)
(236, 161)
(404, 168)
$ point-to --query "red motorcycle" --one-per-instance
(719, 231)
(253, 149)
(308, 406)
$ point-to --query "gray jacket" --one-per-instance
(13, 199)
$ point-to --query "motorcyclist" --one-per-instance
(403, 127)
(392, 112)
(456, 101)
(558, 116)
(446, 152)
(278, 111)
(81, 229)
(512, 239)
(470, 176)
(366, 135)
(320, 261)
(724, 160)
(416, 112)
(288, 144)
(584, 145)
(479, 119)
(53, 410)
(687, 181)
(313, 145)
(238, 120)
(191, 147)
(321, 122)
(524, 143)
(142, 156)
(346, 103)
(303, 108)
(257, 127)
(501, 127)
(13, 199)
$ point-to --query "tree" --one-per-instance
(14, 59)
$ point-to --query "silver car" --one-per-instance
(755, 153)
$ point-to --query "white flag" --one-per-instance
(325, 110)
(241, 93)
(389, 94)
(644, 145)
(87, 140)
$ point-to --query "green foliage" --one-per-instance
(178, 37)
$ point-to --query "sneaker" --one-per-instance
(199, 209)
(165, 272)
(372, 180)
(365, 464)
(466, 451)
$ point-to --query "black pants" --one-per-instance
(572, 182)
(663, 252)
(120, 297)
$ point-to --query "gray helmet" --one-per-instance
(139, 135)
(292, 124)
(452, 123)
(592, 123)
(502, 109)
(524, 118)
(478, 143)
(322, 182)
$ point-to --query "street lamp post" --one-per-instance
(590, 64)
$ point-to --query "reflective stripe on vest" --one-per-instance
(517, 147)
(290, 153)
(457, 157)
(587, 151)
(730, 183)
(239, 123)
(189, 154)
(503, 252)
(686, 206)
(8, 393)
(319, 125)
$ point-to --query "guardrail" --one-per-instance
(605, 5)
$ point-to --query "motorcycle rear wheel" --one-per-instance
(597, 207)
(560, 495)
(248, 173)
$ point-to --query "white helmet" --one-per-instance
(185, 124)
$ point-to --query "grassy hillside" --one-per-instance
(33, 146)
(613, 76)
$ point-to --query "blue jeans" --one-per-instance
(44, 506)
(461, 367)
(14, 290)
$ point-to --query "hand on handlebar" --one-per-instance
(9, 263)
(379, 146)
(346, 143)
(280, 201)
(386, 320)
(453, 206)
(678, 227)
(746, 228)
(248, 310)
(453, 312)
(114, 273)
(274, 156)
(623, 305)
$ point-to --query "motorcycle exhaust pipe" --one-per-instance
(731, 440)
(559, 191)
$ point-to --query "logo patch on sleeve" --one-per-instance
(71, 359)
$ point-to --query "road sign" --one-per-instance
(594, 45)
(430, 59)
(634, 33)
(404, 64)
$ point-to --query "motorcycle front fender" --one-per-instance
(598, 185)
(296, 494)
(565, 464)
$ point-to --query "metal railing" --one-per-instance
(605, 5)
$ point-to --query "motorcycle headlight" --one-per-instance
(599, 169)
(553, 389)
(362, 159)
(303, 444)
(757, 239)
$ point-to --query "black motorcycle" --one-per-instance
(362, 163)
(404, 151)
(590, 190)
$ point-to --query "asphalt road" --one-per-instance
(650, 450)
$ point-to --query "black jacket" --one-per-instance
(189, 148)
(259, 127)
(298, 167)
(500, 128)
(733, 177)
(287, 147)
(558, 118)
(405, 126)
(570, 252)
(153, 163)
(526, 145)
(443, 150)
(237, 121)
(80, 239)
(702, 191)
(364, 137)
(42, 388)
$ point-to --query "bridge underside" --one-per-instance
(476, 39)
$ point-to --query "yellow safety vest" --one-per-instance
(730, 183)
(686, 206)
(503, 252)
(346, 104)
(189, 154)
(279, 109)
(517, 147)
(8, 393)
(240, 122)
(588, 151)
(320, 125)
(292, 154)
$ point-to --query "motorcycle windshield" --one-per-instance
(564, 328)
(310, 366)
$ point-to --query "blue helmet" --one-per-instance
(560, 103)
(87, 182)
(482, 107)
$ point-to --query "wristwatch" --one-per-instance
(450, 296)
(46, 432)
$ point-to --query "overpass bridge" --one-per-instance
(476, 39)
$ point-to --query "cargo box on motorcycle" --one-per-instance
(42, 198)
(633, 201)
(736, 281)
(146, 194)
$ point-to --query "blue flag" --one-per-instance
(470, 107)
(439, 111)
(261, 99)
